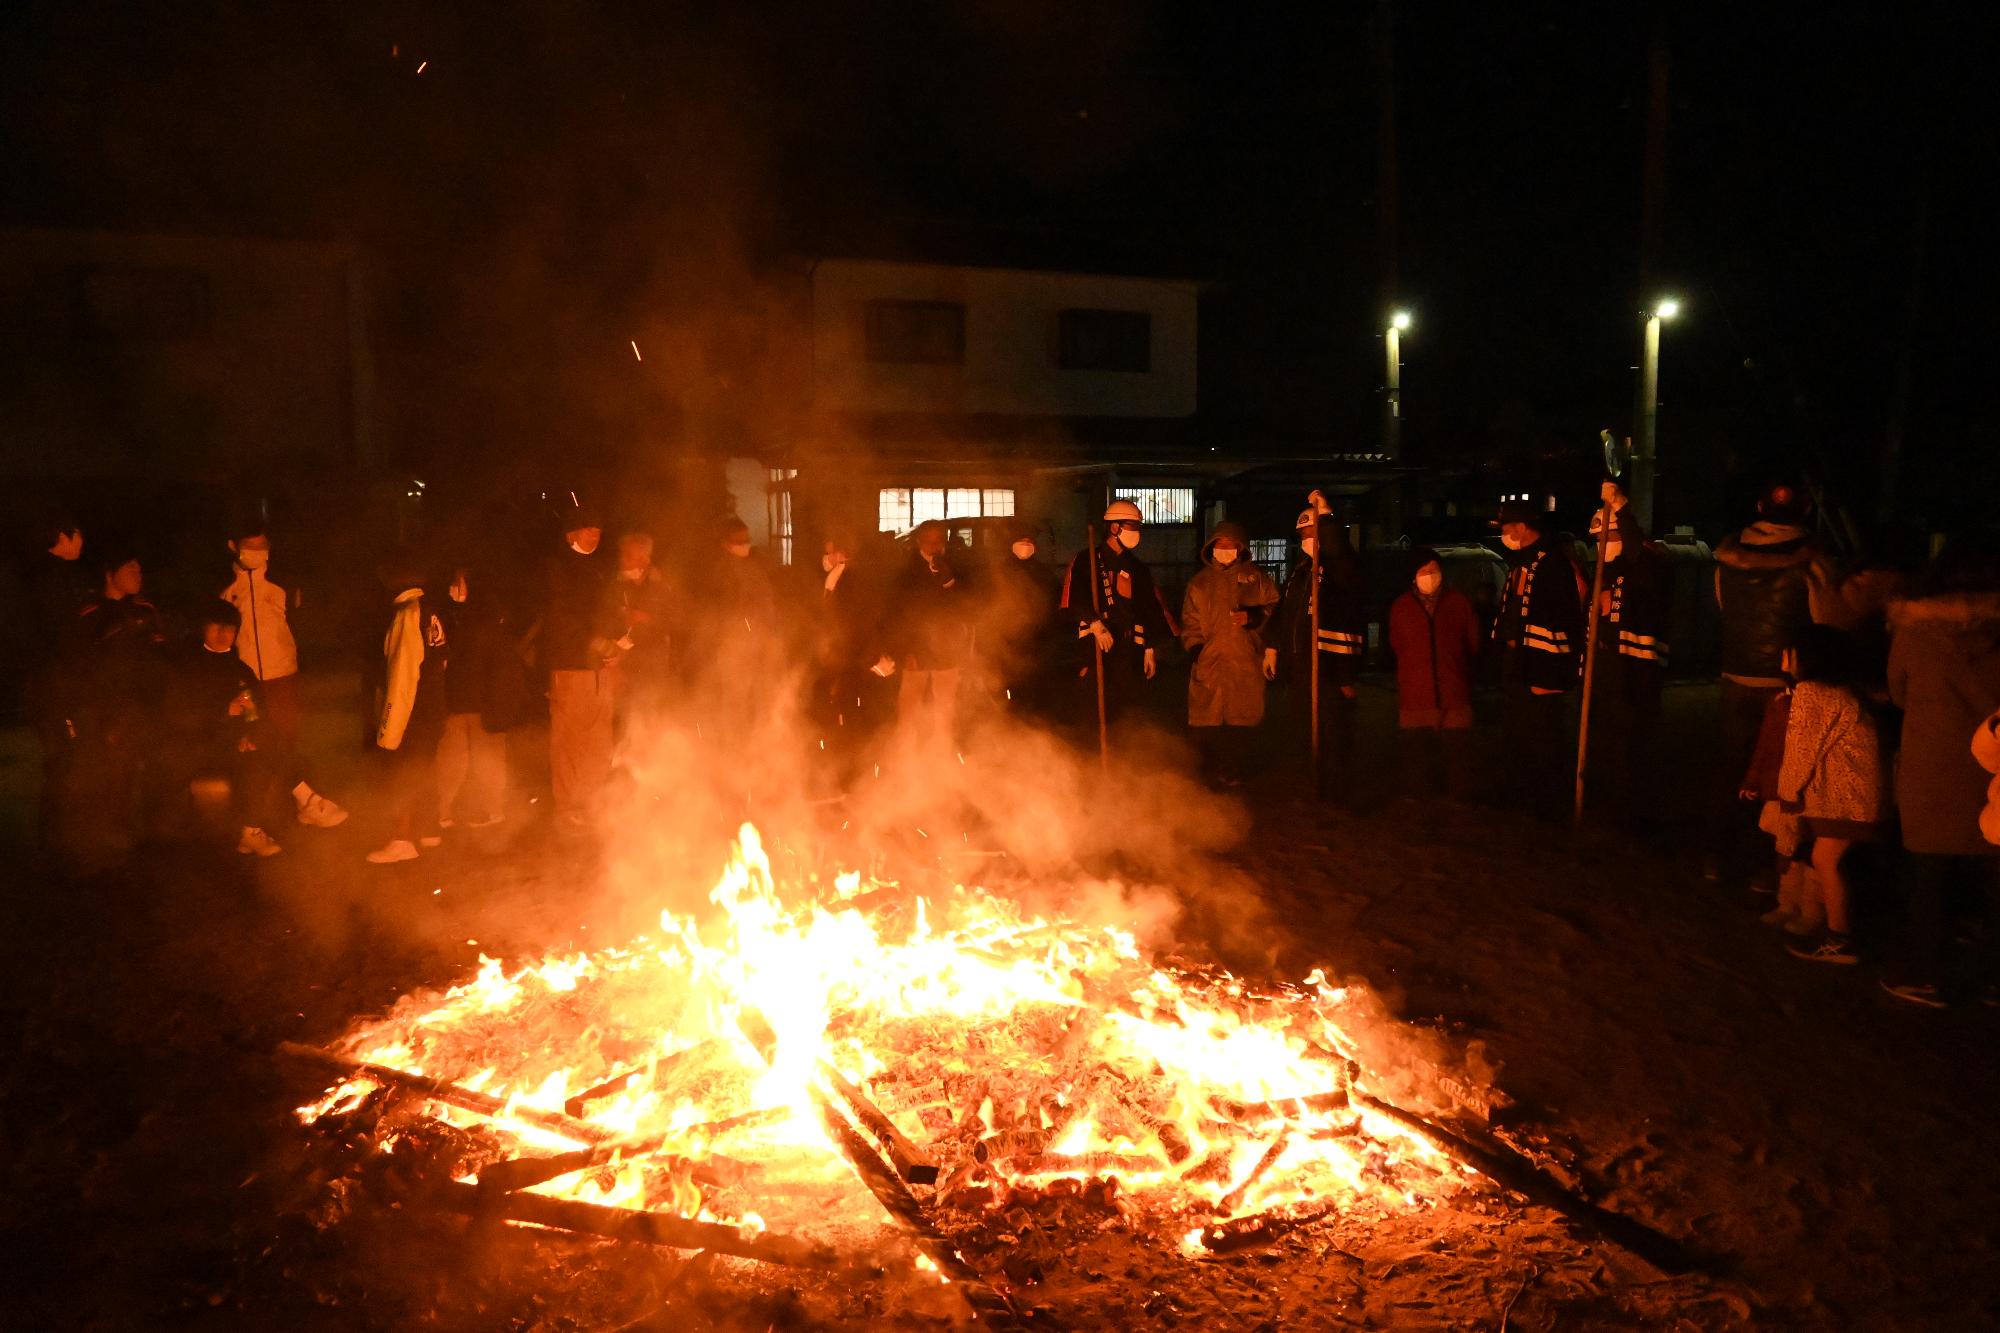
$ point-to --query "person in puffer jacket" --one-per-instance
(1762, 584)
(1986, 750)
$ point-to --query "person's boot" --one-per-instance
(396, 849)
(255, 842)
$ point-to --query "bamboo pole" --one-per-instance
(1590, 659)
(1312, 648)
(1097, 649)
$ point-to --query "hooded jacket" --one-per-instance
(1761, 584)
(1944, 673)
(1226, 683)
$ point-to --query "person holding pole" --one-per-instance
(1114, 607)
(1540, 631)
(1323, 607)
(1632, 609)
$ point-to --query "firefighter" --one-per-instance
(1540, 630)
(1123, 617)
(1631, 656)
(1343, 639)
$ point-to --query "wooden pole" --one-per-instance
(1312, 648)
(1097, 649)
(1590, 657)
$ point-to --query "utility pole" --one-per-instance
(1644, 438)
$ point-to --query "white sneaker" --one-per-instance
(431, 840)
(399, 849)
(256, 842)
(319, 812)
(485, 821)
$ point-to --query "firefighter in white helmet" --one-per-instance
(1125, 617)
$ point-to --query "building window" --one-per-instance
(924, 333)
(1271, 554)
(1160, 504)
(1105, 340)
(781, 511)
(900, 508)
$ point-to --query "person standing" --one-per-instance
(266, 646)
(1223, 616)
(1540, 630)
(1762, 587)
(1013, 633)
(1434, 636)
(412, 714)
(476, 662)
(930, 634)
(1123, 618)
(1944, 673)
(854, 692)
(122, 670)
(1342, 642)
(215, 721)
(578, 630)
(645, 613)
(1632, 651)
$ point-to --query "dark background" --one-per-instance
(565, 176)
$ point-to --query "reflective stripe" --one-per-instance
(1548, 640)
(1643, 646)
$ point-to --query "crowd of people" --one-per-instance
(1857, 715)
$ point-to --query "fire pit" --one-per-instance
(861, 1079)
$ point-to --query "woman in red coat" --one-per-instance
(1434, 633)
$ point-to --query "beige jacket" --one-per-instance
(1833, 757)
(265, 641)
(1986, 749)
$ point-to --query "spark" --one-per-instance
(423, 65)
(635, 351)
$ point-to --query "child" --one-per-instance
(216, 706)
(1798, 909)
(1832, 775)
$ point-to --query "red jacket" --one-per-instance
(1435, 648)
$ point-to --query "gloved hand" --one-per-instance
(1102, 633)
(1149, 664)
(1270, 664)
(885, 666)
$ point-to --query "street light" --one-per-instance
(1392, 420)
(1643, 453)
(1400, 320)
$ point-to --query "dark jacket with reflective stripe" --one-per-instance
(1343, 618)
(1541, 615)
(1634, 623)
(1130, 602)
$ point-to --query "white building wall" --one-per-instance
(1011, 322)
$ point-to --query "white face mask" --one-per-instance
(741, 550)
(253, 559)
(457, 590)
(830, 560)
(1024, 550)
(1510, 541)
(1429, 582)
(1310, 545)
(1128, 538)
(1225, 556)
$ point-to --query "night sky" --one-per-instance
(562, 174)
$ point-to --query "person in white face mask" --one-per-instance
(1631, 662)
(1017, 630)
(1342, 643)
(1434, 633)
(1540, 629)
(1223, 615)
(266, 646)
(1124, 616)
(580, 626)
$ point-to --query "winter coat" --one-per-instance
(1343, 620)
(579, 622)
(412, 697)
(1767, 758)
(1226, 683)
(482, 665)
(731, 620)
(1833, 756)
(202, 688)
(1986, 751)
(1761, 584)
(1636, 602)
(930, 619)
(1018, 618)
(1944, 673)
(122, 667)
(1130, 603)
(264, 640)
(1436, 642)
(1541, 614)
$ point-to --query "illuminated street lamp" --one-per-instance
(1392, 421)
(1643, 454)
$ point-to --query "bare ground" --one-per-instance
(1822, 1149)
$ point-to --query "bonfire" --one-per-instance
(849, 1075)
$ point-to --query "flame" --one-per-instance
(1019, 1049)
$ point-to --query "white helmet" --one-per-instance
(1122, 511)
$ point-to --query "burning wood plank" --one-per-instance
(911, 1162)
(451, 1094)
(627, 1224)
(1233, 1200)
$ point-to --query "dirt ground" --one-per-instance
(1824, 1151)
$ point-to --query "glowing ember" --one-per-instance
(688, 1073)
